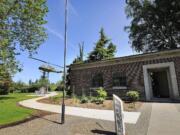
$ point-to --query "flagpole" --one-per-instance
(65, 47)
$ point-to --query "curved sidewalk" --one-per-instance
(129, 117)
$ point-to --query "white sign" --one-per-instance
(118, 115)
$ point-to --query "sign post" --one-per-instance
(118, 115)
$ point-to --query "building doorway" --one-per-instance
(160, 83)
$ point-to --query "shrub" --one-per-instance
(4, 88)
(53, 87)
(99, 100)
(3, 91)
(69, 92)
(133, 95)
(84, 99)
(101, 96)
(92, 99)
(101, 92)
(33, 88)
(11, 89)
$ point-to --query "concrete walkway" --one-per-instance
(165, 119)
(129, 117)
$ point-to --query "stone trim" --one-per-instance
(95, 88)
(128, 59)
(173, 79)
(119, 88)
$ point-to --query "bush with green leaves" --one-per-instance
(69, 92)
(33, 88)
(18, 87)
(92, 99)
(101, 95)
(84, 99)
(53, 86)
(3, 91)
(101, 92)
(99, 100)
(133, 95)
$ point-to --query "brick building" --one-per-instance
(154, 75)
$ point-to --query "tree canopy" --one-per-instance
(155, 24)
(21, 28)
(104, 48)
(80, 57)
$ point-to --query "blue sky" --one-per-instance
(85, 19)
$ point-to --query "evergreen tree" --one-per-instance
(103, 49)
(30, 82)
(110, 50)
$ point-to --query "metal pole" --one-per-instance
(47, 82)
(65, 46)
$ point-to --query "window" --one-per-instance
(119, 80)
(97, 80)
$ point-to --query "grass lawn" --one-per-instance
(9, 110)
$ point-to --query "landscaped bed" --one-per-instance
(12, 113)
(106, 105)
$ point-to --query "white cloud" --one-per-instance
(57, 34)
(61, 37)
(73, 10)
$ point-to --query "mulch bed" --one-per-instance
(107, 105)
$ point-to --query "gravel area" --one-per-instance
(50, 125)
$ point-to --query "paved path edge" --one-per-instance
(129, 117)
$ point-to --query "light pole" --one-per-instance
(65, 47)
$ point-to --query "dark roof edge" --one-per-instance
(128, 59)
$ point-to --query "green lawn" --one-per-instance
(9, 110)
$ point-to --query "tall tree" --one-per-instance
(104, 49)
(155, 24)
(5, 80)
(21, 28)
(111, 49)
(79, 58)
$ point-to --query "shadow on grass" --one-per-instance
(102, 132)
(38, 115)
(6, 98)
(41, 115)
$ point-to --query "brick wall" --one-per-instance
(81, 79)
